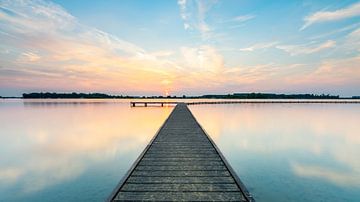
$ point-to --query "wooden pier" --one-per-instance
(147, 103)
(246, 101)
(181, 163)
(264, 101)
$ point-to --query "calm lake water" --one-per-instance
(77, 150)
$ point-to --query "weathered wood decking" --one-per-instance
(181, 163)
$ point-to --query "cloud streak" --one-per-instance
(194, 14)
(328, 16)
(259, 46)
(243, 18)
(306, 49)
(332, 72)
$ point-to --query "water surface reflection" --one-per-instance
(58, 150)
(290, 152)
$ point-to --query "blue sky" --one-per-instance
(180, 47)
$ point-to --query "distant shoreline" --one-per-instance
(250, 96)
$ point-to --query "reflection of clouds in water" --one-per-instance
(59, 144)
(321, 129)
(344, 178)
(214, 130)
(42, 173)
(9, 175)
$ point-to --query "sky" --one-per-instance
(190, 47)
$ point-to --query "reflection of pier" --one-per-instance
(181, 163)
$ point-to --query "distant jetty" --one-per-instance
(53, 95)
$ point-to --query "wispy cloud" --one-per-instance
(238, 21)
(259, 46)
(183, 13)
(243, 18)
(194, 14)
(306, 49)
(162, 53)
(327, 16)
(337, 31)
(331, 72)
(203, 8)
(251, 74)
(31, 20)
(203, 58)
(353, 41)
(29, 57)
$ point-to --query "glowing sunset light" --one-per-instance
(188, 47)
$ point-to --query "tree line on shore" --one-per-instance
(70, 95)
(48, 95)
(272, 96)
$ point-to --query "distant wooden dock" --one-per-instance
(181, 163)
(246, 101)
(151, 103)
(264, 101)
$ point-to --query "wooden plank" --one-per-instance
(183, 180)
(180, 196)
(193, 159)
(183, 173)
(182, 167)
(184, 155)
(181, 163)
(129, 187)
(177, 152)
(181, 149)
